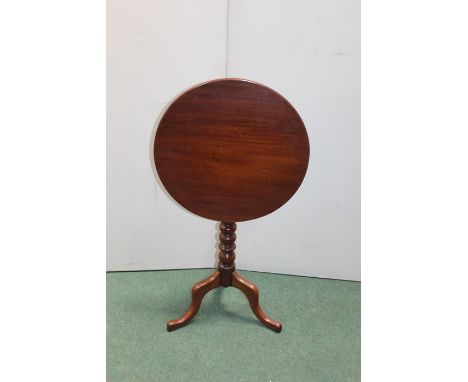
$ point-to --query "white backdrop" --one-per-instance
(309, 51)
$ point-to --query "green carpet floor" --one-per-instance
(320, 340)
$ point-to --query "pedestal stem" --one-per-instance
(227, 245)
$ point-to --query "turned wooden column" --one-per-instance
(227, 246)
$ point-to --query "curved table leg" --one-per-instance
(199, 291)
(251, 292)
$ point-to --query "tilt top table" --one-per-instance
(230, 150)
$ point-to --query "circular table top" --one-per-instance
(231, 150)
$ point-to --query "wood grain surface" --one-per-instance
(231, 150)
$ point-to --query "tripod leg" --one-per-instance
(199, 291)
(251, 292)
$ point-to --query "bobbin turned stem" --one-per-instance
(227, 245)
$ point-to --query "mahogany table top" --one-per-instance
(231, 150)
